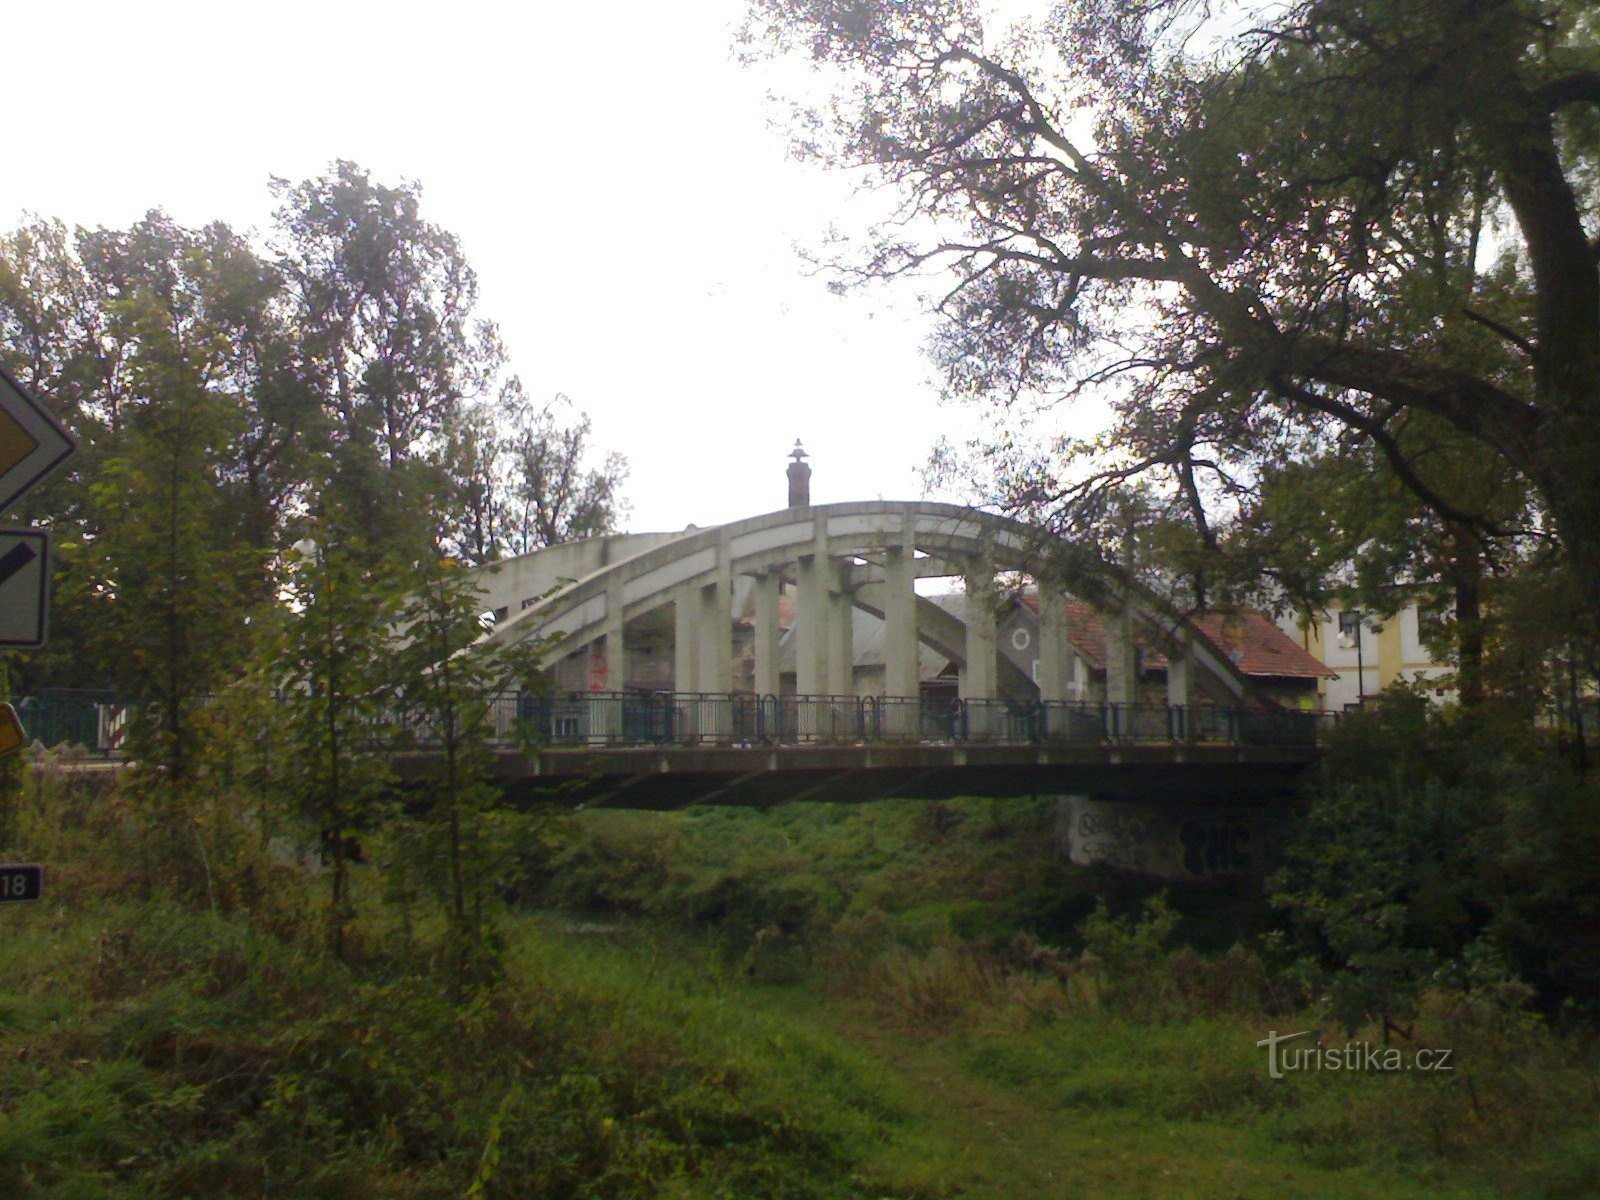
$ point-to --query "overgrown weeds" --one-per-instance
(195, 1040)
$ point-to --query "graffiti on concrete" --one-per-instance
(1170, 841)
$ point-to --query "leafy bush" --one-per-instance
(1436, 850)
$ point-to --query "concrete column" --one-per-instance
(841, 642)
(715, 630)
(1180, 670)
(615, 649)
(978, 679)
(685, 645)
(1122, 671)
(1055, 651)
(766, 632)
(901, 672)
(811, 626)
(714, 652)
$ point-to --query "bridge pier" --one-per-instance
(715, 667)
(978, 674)
(1180, 670)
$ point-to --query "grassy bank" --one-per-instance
(900, 1000)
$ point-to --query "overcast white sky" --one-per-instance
(609, 170)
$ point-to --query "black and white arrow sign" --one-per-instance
(24, 587)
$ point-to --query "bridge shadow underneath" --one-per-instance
(670, 751)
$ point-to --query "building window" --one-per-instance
(1431, 624)
(1349, 622)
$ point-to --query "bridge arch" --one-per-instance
(865, 555)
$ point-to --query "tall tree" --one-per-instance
(226, 399)
(1354, 214)
(336, 672)
(452, 686)
(524, 477)
(384, 307)
(556, 494)
(167, 572)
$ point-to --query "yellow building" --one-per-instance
(1370, 653)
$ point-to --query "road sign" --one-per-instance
(32, 444)
(21, 883)
(12, 737)
(24, 587)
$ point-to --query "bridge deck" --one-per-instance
(670, 750)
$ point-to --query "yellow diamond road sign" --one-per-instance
(12, 738)
(31, 443)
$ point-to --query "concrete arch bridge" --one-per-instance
(787, 655)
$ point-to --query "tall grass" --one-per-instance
(194, 1040)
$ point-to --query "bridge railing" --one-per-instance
(603, 719)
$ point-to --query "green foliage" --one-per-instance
(447, 681)
(156, 1045)
(1439, 848)
(1319, 232)
(1129, 942)
(223, 393)
(333, 667)
(169, 579)
(154, 1049)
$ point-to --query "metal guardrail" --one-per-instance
(618, 719)
(92, 719)
(722, 719)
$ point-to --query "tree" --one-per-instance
(555, 495)
(522, 478)
(452, 686)
(1339, 522)
(383, 306)
(163, 348)
(1426, 858)
(168, 578)
(334, 668)
(1341, 218)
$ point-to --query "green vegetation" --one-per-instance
(898, 999)
(231, 397)
(1330, 265)
(262, 969)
